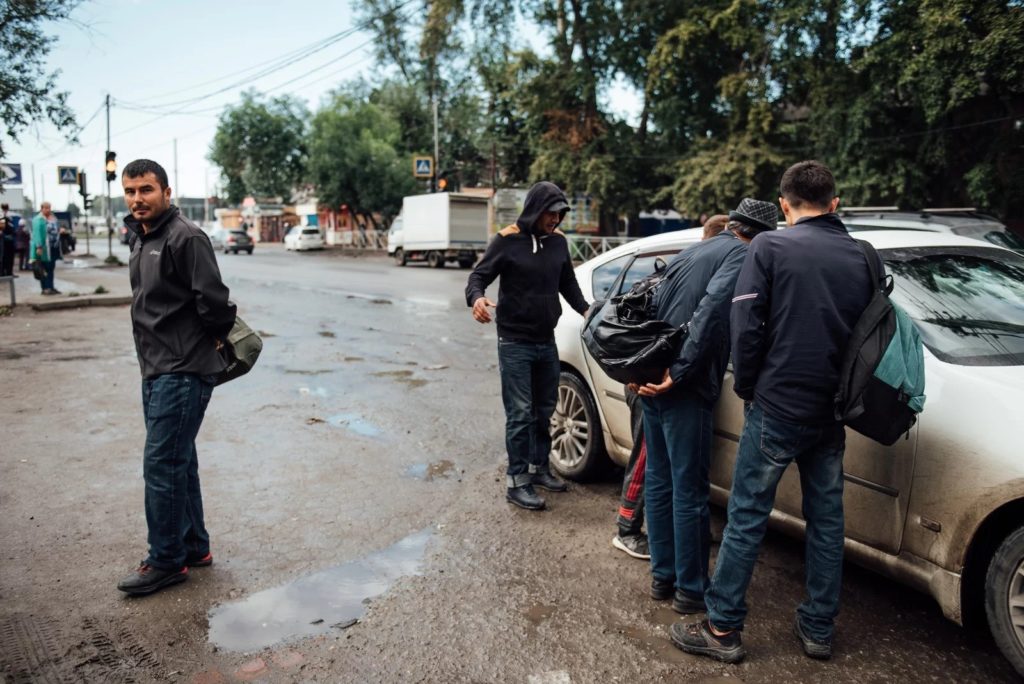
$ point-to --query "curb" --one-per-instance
(78, 302)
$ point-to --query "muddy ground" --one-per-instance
(353, 486)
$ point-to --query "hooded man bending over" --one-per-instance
(532, 258)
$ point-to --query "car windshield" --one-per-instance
(968, 303)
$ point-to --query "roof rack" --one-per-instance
(950, 210)
(866, 209)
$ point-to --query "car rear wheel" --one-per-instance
(577, 445)
(435, 259)
(1004, 598)
(400, 258)
(465, 263)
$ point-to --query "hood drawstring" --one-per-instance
(534, 238)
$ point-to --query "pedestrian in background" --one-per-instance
(532, 258)
(45, 246)
(7, 241)
(697, 292)
(22, 240)
(799, 295)
(180, 318)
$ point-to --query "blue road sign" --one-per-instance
(10, 174)
(67, 175)
(422, 167)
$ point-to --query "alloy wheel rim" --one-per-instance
(570, 432)
(1015, 599)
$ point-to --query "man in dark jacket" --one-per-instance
(697, 292)
(180, 318)
(799, 294)
(532, 258)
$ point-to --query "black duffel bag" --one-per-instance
(625, 339)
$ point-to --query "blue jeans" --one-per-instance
(173, 406)
(766, 447)
(677, 427)
(529, 388)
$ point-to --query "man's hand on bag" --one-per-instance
(39, 251)
(480, 312)
(652, 390)
(220, 344)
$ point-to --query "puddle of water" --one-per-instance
(355, 423)
(430, 471)
(313, 392)
(316, 603)
(353, 358)
(294, 371)
(326, 333)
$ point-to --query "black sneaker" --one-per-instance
(696, 638)
(662, 590)
(819, 650)
(525, 497)
(687, 605)
(545, 480)
(148, 579)
(197, 562)
(633, 544)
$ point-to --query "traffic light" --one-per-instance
(111, 166)
(442, 184)
(86, 202)
(81, 184)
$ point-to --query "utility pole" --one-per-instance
(437, 149)
(176, 194)
(110, 208)
(35, 197)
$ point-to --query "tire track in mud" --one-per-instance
(29, 650)
(34, 649)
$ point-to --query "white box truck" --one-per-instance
(438, 228)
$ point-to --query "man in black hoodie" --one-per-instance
(180, 317)
(532, 258)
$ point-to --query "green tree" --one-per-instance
(260, 147)
(353, 159)
(28, 93)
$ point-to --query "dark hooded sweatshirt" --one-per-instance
(180, 306)
(534, 269)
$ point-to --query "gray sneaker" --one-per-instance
(633, 544)
(813, 648)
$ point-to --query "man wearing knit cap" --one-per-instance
(697, 292)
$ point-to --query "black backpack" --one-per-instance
(625, 339)
(881, 379)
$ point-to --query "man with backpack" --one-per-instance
(799, 295)
(696, 292)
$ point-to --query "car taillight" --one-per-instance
(231, 239)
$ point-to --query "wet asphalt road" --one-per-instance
(354, 495)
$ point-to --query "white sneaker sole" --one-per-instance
(617, 543)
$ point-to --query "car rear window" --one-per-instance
(239, 233)
(643, 266)
(310, 231)
(968, 303)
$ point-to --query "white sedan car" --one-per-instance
(301, 238)
(943, 509)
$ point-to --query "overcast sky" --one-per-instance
(164, 56)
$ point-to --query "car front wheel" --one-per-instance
(400, 258)
(577, 445)
(1004, 598)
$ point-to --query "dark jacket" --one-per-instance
(180, 306)
(698, 290)
(534, 269)
(799, 294)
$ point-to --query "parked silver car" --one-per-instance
(943, 509)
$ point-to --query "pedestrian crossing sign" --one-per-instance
(422, 167)
(67, 175)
